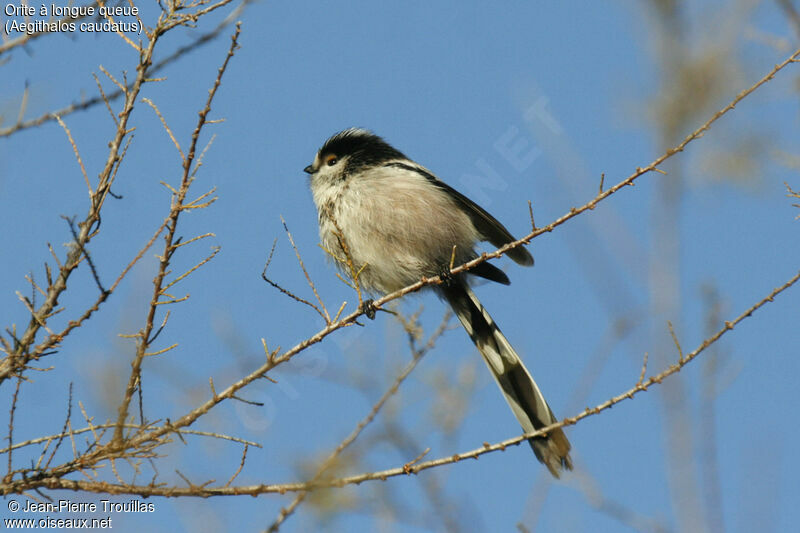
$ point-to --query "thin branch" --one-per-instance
(287, 292)
(238, 470)
(391, 391)
(169, 243)
(11, 414)
(305, 272)
(157, 67)
(25, 39)
(16, 362)
(64, 430)
(77, 154)
(56, 482)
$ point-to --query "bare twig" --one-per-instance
(17, 361)
(28, 37)
(169, 248)
(58, 482)
(391, 391)
(238, 470)
(11, 413)
(287, 292)
(91, 102)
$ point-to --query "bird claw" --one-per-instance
(368, 308)
(445, 275)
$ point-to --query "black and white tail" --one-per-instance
(519, 389)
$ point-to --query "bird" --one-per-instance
(390, 222)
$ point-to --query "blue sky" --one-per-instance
(449, 84)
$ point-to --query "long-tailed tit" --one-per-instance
(400, 223)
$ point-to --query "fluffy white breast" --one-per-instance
(396, 222)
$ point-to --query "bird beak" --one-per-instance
(308, 170)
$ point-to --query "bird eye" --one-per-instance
(331, 160)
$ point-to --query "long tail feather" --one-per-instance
(520, 390)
